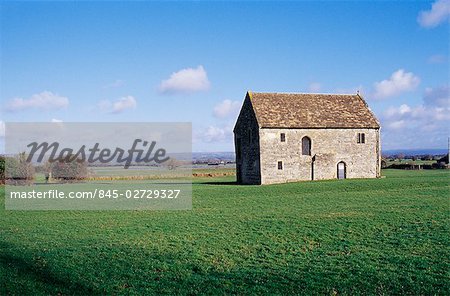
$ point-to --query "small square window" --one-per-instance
(283, 137)
(280, 165)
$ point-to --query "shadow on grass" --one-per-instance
(132, 270)
(219, 183)
(24, 269)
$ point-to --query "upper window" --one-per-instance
(306, 146)
(280, 165)
(283, 137)
(361, 138)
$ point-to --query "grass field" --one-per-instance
(384, 236)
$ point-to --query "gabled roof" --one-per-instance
(284, 110)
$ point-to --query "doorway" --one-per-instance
(341, 170)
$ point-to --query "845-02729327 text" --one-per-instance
(98, 193)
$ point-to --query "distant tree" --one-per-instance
(18, 171)
(69, 171)
(383, 163)
(2, 170)
(400, 156)
(173, 163)
(427, 157)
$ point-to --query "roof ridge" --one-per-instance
(303, 93)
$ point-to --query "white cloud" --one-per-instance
(399, 82)
(437, 59)
(213, 134)
(419, 114)
(314, 87)
(397, 124)
(227, 108)
(56, 120)
(45, 100)
(404, 109)
(439, 96)
(415, 127)
(187, 80)
(117, 106)
(124, 103)
(439, 13)
(425, 125)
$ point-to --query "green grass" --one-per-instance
(216, 170)
(384, 236)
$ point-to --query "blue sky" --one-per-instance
(194, 61)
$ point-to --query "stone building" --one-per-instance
(282, 137)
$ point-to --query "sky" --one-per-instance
(195, 61)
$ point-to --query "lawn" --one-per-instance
(379, 236)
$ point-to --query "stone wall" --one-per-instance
(246, 141)
(328, 148)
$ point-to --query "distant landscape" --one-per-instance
(415, 152)
(199, 157)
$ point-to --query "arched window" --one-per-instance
(306, 146)
(341, 170)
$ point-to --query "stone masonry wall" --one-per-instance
(328, 147)
(246, 141)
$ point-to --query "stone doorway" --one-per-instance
(341, 170)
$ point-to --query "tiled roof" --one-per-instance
(284, 110)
